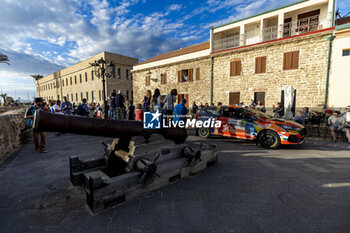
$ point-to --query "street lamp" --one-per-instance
(102, 71)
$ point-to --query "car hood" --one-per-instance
(284, 122)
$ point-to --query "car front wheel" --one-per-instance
(204, 132)
(269, 139)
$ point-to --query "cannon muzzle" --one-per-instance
(48, 122)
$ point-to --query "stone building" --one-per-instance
(251, 59)
(79, 81)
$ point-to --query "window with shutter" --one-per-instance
(260, 65)
(235, 68)
(190, 75)
(148, 80)
(163, 78)
(198, 74)
(291, 60)
(185, 75)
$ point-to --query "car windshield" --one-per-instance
(259, 113)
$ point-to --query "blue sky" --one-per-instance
(43, 36)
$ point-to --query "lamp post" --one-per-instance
(102, 71)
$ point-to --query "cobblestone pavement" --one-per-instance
(303, 188)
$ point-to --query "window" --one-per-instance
(148, 80)
(87, 95)
(132, 95)
(93, 99)
(127, 73)
(198, 74)
(113, 72)
(99, 95)
(58, 84)
(81, 96)
(291, 60)
(346, 52)
(260, 65)
(235, 68)
(62, 83)
(76, 96)
(80, 79)
(71, 96)
(163, 78)
(130, 76)
(92, 75)
(118, 72)
(85, 76)
(71, 81)
(127, 94)
(259, 96)
(185, 76)
(234, 98)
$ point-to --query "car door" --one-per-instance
(231, 124)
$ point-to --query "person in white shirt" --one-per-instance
(346, 115)
(57, 109)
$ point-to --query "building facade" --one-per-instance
(251, 59)
(339, 82)
(79, 81)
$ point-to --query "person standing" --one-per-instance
(131, 111)
(194, 110)
(156, 102)
(83, 109)
(138, 113)
(29, 115)
(120, 108)
(180, 111)
(113, 106)
(169, 101)
(66, 106)
(147, 101)
(57, 107)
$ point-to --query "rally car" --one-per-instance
(252, 124)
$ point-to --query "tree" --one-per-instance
(3, 95)
(4, 59)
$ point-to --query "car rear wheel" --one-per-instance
(269, 139)
(204, 132)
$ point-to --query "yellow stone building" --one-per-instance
(78, 81)
(254, 59)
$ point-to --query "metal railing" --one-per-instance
(301, 26)
(270, 33)
(226, 43)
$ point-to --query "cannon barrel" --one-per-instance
(48, 122)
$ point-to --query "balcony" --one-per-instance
(270, 33)
(226, 43)
(301, 26)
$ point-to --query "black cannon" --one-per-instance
(137, 161)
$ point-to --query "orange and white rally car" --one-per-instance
(251, 124)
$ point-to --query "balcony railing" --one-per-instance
(270, 33)
(301, 26)
(226, 43)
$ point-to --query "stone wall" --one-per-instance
(197, 90)
(11, 123)
(308, 79)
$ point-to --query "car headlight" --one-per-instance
(288, 127)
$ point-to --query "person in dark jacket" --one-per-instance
(120, 108)
(279, 111)
(113, 106)
(29, 115)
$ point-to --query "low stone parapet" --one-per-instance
(11, 123)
